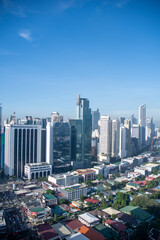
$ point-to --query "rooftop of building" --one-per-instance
(91, 200)
(91, 233)
(37, 209)
(73, 224)
(126, 218)
(85, 171)
(61, 230)
(62, 175)
(49, 196)
(107, 232)
(99, 213)
(137, 212)
(77, 236)
(58, 211)
(74, 187)
(118, 226)
(37, 164)
(111, 211)
(88, 217)
(47, 231)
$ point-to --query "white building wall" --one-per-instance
(122, 142)
(105, 135)
(49, 143)
(10, 147)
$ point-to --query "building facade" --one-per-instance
(36, 170)
(105, 141)
(22, 146)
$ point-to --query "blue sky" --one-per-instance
(106, 50)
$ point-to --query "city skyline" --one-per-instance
(108, 51)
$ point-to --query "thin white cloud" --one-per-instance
(12, 8)
(26, 34)
(4, 52)
(122, 3)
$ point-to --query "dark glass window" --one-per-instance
(27, 145)
(19, 153)
(35, 147)
(15, 152)
(24, 150)
(31, 157)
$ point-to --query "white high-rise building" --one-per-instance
(115, 137)
(22, 146)
(49, 143)
(142, 123)
(105, 142)
(123, 142)
(142, 116)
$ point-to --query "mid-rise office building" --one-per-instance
(36, 170)
(22, 146)
(66, 179)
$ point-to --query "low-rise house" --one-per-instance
(119, 227)
(77, 236)
(74, 225)
(45, 231)
(111, 211)
(62, 231)
(137, 212)
(91, 200)
(91, 233)
(100, 214)
(107, 232)
(127, 219)
(88, 219)
(49, 199)
(132, 185)
(58, 211)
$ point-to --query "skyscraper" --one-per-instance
(61, 142)
(105, 141)
(76, 143)
(81, 133)
(22, 145)
(115, 137)
(142, 116)
(95, 119)
(84, 114)
(0, 129)
(142, 123)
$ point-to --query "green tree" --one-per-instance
(49, 191)
(89, 183)
(55, 218)
(81, 198)
(63, 201)
(155, 171)
(100, 177)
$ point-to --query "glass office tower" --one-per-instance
(84, 114)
